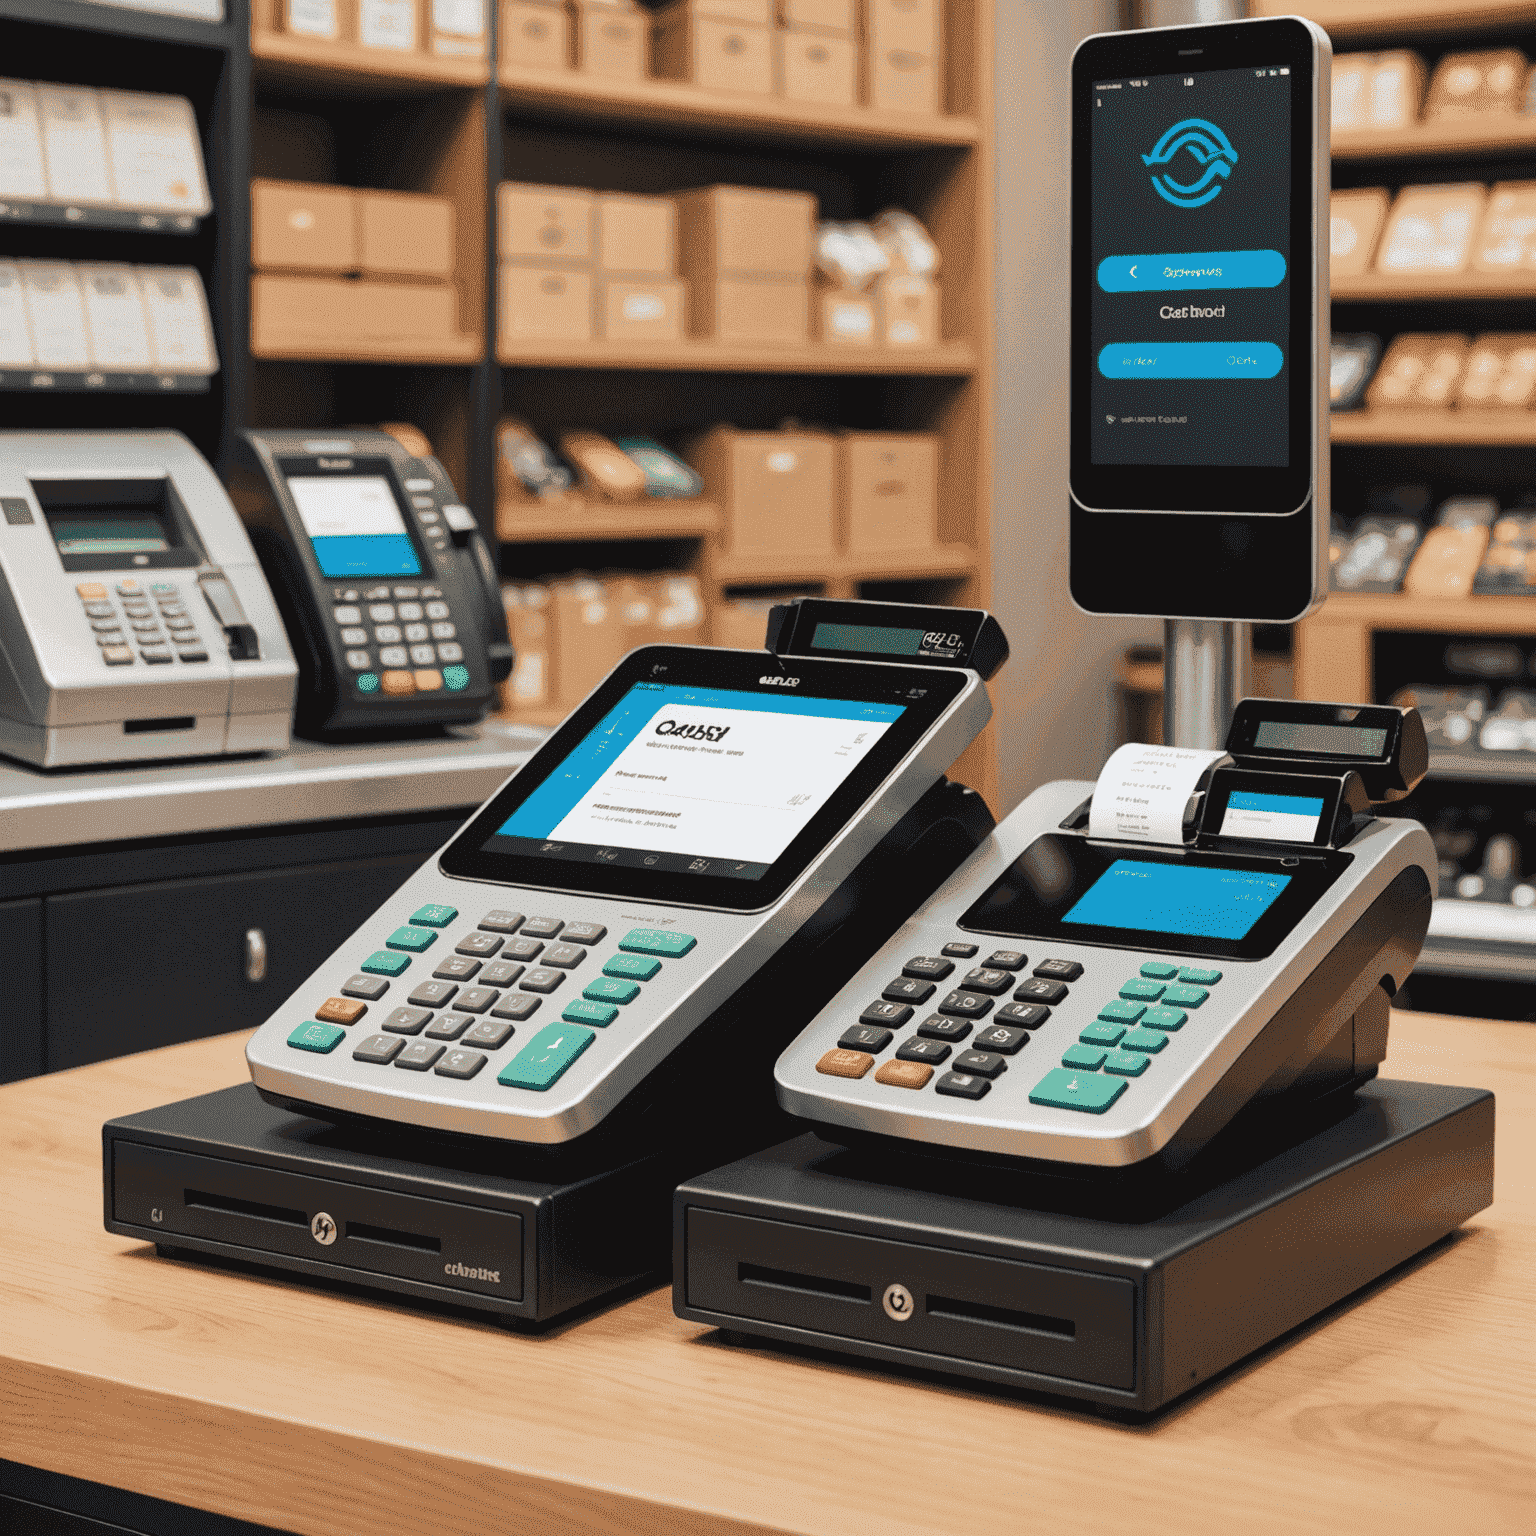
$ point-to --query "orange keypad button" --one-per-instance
(398, 683)
(340, 1010)
(845, 1063)
(429, 680)
(90, 591)
(904, 1074)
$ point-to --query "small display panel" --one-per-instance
(872, 638)
(130, 531)
(355, 525)
(696, 780)
(1285, 818)
(1305, 736)
(1204, 901)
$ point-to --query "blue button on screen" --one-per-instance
(1191, 360)
(1191, 269)
(1206, 902)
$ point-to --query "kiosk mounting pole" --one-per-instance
(1207, 668)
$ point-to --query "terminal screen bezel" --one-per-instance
(1252, 715)
(1030, 898)
(924, 693)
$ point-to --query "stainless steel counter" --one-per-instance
(310, 782)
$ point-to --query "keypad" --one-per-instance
(890, 1015)
(1040, 989)
(584, 933)
(908, 989)
(1058, 970)
(1023, 1015)
(1125, 1063)
(371, 988)
(379, 1049)
(543, 928)
(904, 1074)
(139, 624)
(1007, 960)
(499, 973)
(581, 1010)
(920, 1048)
(419, 1056)
(460, 1064)
(433, 994)
(966, 1005)
(1000, 1038)
(340, 1010)
(928, 967)
(962, 1085)
(502, 922)
(546, 1057)
(320, 1038)
(414, 940)
(960, 951)
(449, 1026)
(1182, 996)
(1089, 1093)
(981, 1063)
(865, 1037)
(490, 1034)
(986, 979)
(845, 1063)
(517, 1005)
(476, 999)
(632, 967)
(406, 1021)
(937, 1028)
(456, 968)
(566, 956)
(541, 979)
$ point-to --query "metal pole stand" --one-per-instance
(1207, 668)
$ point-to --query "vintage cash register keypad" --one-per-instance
(147, 622)
(400, 640)
(478, 984)
(975, 1035)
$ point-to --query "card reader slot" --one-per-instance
(958, 1310)
(814, 1285)
(231, 1205)
(163, 723)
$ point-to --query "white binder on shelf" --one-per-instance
(115, 317)
(15, 333)
(75, 145)
(55, 314)
(388, 24)
(156, 155)
(22, 171)
(181, 332)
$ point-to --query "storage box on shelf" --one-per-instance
(436, 41)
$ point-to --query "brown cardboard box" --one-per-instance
(911, 25)
(778, 489)
(642, 308)
(587, 638)
(812, 66)
(544, 224)
(1419, 371)
(757, 13)
(748, 309)
(1431, 229)
(1500, 374)
(531, 685)
(843, 319)
(288, 311)
(742, 624)
(456, 28)
(1355, 222)
(536, 33)
(303, 227)
(745, 231)
(607, 472)
(406, 234)
(610, 41)
(898, 80)
(1476, 85)
(837, 18)
(541, 303)
(909, 310)
(1507, 240)
(716, 54)
(888, 488)
(1446, 562)
(636, 234)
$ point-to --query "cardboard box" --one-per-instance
(545, 303)
(636, 234)
(749, 309)
(1354, 226)
(642, 308)
(909, 310)
(836, 18)
(811, 66)
(758, 13)
(536, 33)
(745, 232)
(607, 472)
(610, 41)
(289, 311)
(888, 490)
(898, 80)
(300, 227)
(457, 28)
(392, 24)
(531, 685)
(545, 224)
(405, 234)
(843, 319)
(778, 489)
(1500, 374)
(1507, 240)
(1419, 371)
(1430, 229)
(1476, 85)
(1446, 562)
(713, 53)
(586, 637)
(914, 26)
(1395, 90)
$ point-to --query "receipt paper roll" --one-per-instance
(1143, 790)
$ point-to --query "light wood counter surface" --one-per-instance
(1412, 1408)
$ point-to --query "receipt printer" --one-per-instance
(135, 622)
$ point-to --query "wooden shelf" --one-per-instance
(1399, 610)
(336, 63)
(1377, 288)
(1488, 429)
(1502, 135)
(1401, 18)
(568, 521)
(1484, 767)
(952, 359)
(677, 104)
(757, 568)
(544, 715)
(447, 350)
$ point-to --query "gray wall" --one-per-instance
(1058, 713)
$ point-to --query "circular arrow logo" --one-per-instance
(1212, 152)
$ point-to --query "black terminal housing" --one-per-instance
(911, 633)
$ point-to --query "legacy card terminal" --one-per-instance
(701, 811)
(1092, 1001)
(388, 588)
(135, 622)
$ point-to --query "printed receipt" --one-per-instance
(1143, 790)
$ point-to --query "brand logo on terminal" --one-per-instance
(780, 682)
(1210, 148)
(465, 1272)
(692, 732)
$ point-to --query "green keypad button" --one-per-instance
(1186, 997)
(1159, 970)
(1119, 1012)
(1150, 1041)
(434, 916)
(311, 1036)
(1125, 1063)
(607, 989)
(1200, 978)
(1062, 1088)
(546, 1056)
(1102, 1034)
(1165, 1018)
(657, 941)
(581, 1011)
(413, 939)
(1144, 991)
(632, 967)
(382, 963)
(1086, 1058)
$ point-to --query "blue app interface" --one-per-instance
(1203, 901)
(1191, 252)
(354, 525)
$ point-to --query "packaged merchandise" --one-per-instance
(285, 309)
(55, 314)
(458, 28)
(888, 490)
(1476, 85)
(635, 236)
(410, 437)
(115, 316)
(642, 308)
(541, 303)
(526, 467)
(1350, 90)
(745, 310)
(665, 473)
(1509, 563)
(1375, 556)
(609, 40)
(745, 232)
(1451, 552)
(1511, 727)
(1418, 371)
(1354, 226)
(531, 685)
(1351, 365)
(75, 145)
(22, 171)
(1500, 374)
(155, 152)
(1430, 229)
(1452, 716)
(812, 66)
(914, 25)
(585, 637)
(906, 243)
(301, 227)
(778, 490)
(15, 333)
(387, 24)
(405, 234)
(606, 471)
(837, 18)
(899, 80)
(843, 319)
(849, 255)
(535, 33)
(758, 13)
(1395, 92)
(544, 224)
(1507, 240)
(312, 18)
(714, 53)
(679, 607)
(909, 310)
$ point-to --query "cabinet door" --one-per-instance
(142, 966)
(21, 964)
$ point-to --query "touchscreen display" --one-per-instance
(107, 533)
(1204, 901)
(695, 780)
(1286, 818)
(1191, 252)
(355, 526)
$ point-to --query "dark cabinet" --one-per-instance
(21, 989)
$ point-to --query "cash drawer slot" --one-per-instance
(202, 1200)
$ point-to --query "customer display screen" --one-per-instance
(355, 525)
(1305, 736)
(108, 532)
(1208, 902)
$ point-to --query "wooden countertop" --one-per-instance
(1412, 1409)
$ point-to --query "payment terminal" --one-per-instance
(667, 860)
(388, 588)
(135, 622)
